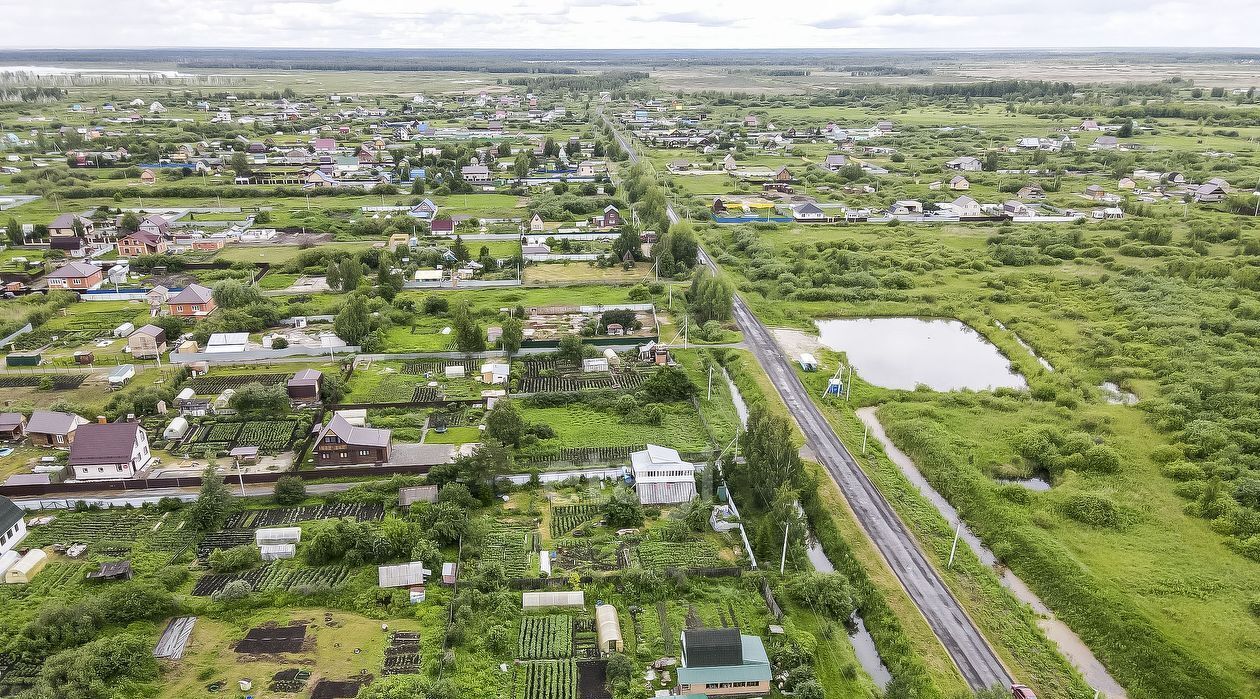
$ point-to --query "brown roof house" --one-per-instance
(76, 276)
(147, 342)
(108, 451)
(141, 243)
(53, 429)
(304, 386)
(342, 444)
(63, 225)
(12, 426)
(193, 301)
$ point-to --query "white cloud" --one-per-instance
(631, 24)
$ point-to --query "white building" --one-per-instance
(109, 451)
(662, 477)
(12, 526)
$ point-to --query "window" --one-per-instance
(364, 452)
(60, 438)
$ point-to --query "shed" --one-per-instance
(244, 455)
(278, 535)
(23, 358)
(402, 575)
(84, 357)
(124, 330)
(808, 362)
(420, 493)
(450, 571)
(27, 568)
(7, 560)
(112, 570)
(276, 552)
(176, 429)
(121, 375)
(608, 629)
(455, 371)
(494, 372)
(537, 600)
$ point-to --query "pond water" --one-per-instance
(741, 408)
(867, 655)
(1038, 484)
(902, 353)
(1118, 396)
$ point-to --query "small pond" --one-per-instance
(901, 353)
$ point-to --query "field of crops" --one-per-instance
(285, 516)
(659, 555)
(58, 579)
(550, 375)
(546, 679)
(267, 435)
(438, 367)
(545, 637)
(566, 518)
(214, 385)
(60, 382)
(506, 545)
(223, 539)
(271, 578)
(93, 527)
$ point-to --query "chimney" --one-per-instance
(131, 417)
(100, 420)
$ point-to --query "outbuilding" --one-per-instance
(176, 429)
(278, 535)
(27, 567)
(608, 629)
(538, 600)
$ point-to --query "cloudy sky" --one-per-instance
(628, 23)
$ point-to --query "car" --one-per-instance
(1019, 691)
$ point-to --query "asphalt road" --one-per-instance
(968, 648)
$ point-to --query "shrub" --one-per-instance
(290, 490)
(1094, 510)
(237, 589)
(234, 559)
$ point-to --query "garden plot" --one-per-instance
(506, 545)
(566, 518)
(289, 681)
(683, 555)
(267, 435)
(269, 578)
(281, 516)
(274, 639)
(545, 637)
(554, 376)
(223, 539)
(214, 385)
(121, 526)
(546, 679)
(575, 554)
(585, 640)
(588, 455)
(336, 689)
(593, 679)
(60, 382)
(402, 655)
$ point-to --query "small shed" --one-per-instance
(112, 570)
(27, 568)
(276, 552)
(244, 455)
(420, 493)
(538, 600)
(121, 375)
(608, 629)
(124, 330)
(304, 386)
(84, 357)
(455, 371)
(23, 358)
(450, 571)
(176, 429)
(494, 372)
(272, 536)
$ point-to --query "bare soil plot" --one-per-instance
(336, 689)
(593, 679)
(273, 639)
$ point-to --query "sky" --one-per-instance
(698, 24)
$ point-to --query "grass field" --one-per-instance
(581, 426)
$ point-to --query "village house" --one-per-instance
(442, 226)
(193, 301)
(722, 662)
(12, 426)
(808, 212)
(64, 225)
(48, 428)
(475, 174)
(305, 384)
(318, 179)
(1095, 192)
(1106, 143)
(966, 163)
(959, 183)
(12, 526)
(966, 207)
(155, 225)
(536, 224)
(1015, 208)
(76, 276)
(1032, 191)
(426, 209)
(1209, 192)
(610, 218)
(147, 342)
(141, 243)
(835, 162)
(342, 444)
(109, 451)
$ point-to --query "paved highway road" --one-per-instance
(968, 648)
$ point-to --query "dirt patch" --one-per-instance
(593, 679)
(275, 639)
(796, 342)
(336, 689)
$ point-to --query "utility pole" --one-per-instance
(783, 557)
(710, 382)
(865, 429)
(240, 473)
(954, 548)
(849, 391)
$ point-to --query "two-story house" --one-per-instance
(12, 525)
(147, 342)
(105, 451)
(342, 444)
(141, 243)
(723, 663)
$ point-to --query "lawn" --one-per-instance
(582, 426)
(586, 272)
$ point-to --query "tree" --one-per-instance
(290, 490)
(571, 348)
(710, 297)
(770, 459)
(460, 250)
(991, 161)
(623, 508)
(14, 232)
(626, 242)
(1126, 129)
(668, 384)
(239, 164)
(350, 273)
(521, 166)
(129, 222)
(213, 502)
(512, 336)
(231, 293)
(332, 388)
(505, 423)
(237, 558)
(353, 322)
(469, 336)
(620, 671)
(261, 399)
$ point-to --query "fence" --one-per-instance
(16, 334)
(260, 355)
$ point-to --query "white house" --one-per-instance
(109, 451)
(808, 212)
(966, 163)
(662, 477)
(966, 206)
(12, 526)
(494, 372)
